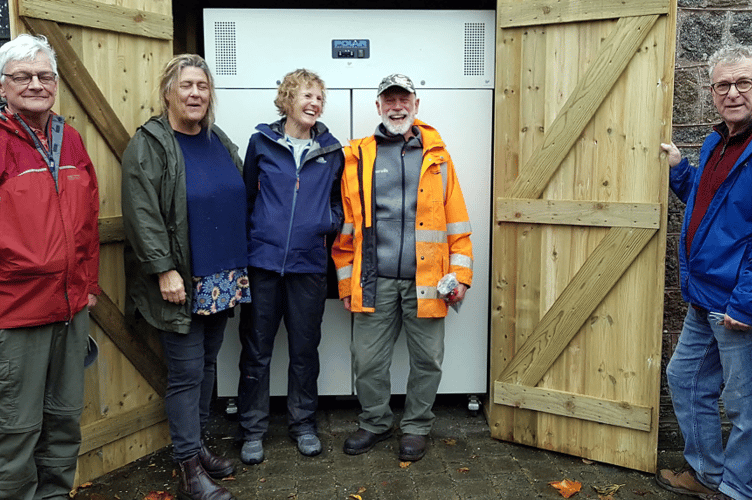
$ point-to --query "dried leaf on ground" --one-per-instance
(158, 495)
(607, 490)
(566, 487)
(353, 496)
(362, 489)
(404, 465)
(450, 441)
(463, 469)
(72, 493)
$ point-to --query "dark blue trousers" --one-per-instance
(300, 300)
(191, 370)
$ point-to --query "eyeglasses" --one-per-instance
(44, 77)
(723, 88)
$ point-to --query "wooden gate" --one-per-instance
(110, 56)
(583, 100)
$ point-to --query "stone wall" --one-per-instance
(702, 27)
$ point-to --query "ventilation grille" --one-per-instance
(475, 38)
(225, 53)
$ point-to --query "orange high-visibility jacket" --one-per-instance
(442, 227)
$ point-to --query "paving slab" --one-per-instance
(463, 462)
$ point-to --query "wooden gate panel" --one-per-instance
(582, 107)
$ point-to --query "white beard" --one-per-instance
(395, 129)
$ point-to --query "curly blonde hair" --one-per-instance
(291, 83)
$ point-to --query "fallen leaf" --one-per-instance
(262, 480)
(362, 489)
(463, 469)
(158, 495)
(174, 473)
(353, 496)
(607, 490)
(449, 441)
(566, 487)
(404, 465)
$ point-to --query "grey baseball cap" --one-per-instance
(396, 80)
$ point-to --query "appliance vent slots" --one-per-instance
(226, 61)
(475, 34)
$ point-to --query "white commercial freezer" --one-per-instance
(449, 55)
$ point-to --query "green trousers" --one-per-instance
(374, 336)
(41, 399)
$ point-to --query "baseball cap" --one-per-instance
(396, 80)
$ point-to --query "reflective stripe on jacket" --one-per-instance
(442, 227)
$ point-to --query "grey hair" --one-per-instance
(25, 48)
(729, 54)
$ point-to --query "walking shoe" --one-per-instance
(716, 496)
(252, 452)
(362, 440)
(217, 467)
(309, 445)
(412, 447)
(682, 482)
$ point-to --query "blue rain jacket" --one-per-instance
(292, 211)
(717, 273)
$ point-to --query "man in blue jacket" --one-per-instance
(714, 355)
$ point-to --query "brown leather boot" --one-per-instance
(217, 467)
(195, 483)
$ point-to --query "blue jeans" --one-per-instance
(191, 369)
(300, 299)
(707, 358)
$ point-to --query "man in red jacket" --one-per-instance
(49, 261)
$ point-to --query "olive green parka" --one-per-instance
(155, 218)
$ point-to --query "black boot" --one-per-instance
(216, 467)
(195, 483)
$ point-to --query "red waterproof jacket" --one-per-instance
(49, 239)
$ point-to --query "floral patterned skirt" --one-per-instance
(220, 291)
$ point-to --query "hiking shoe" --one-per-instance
(252, 452)
(309, 445)
(682, 482)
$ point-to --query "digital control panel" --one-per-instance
(351, 49)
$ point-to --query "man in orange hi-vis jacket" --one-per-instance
(406, 226)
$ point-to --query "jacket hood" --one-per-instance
(276, 131)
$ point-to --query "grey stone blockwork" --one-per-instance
(702, 27)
